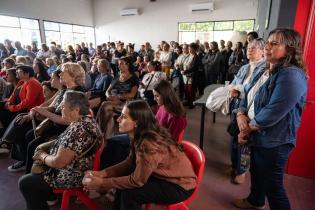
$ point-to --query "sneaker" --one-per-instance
(52, 203)
(18, 166)
(244, 204)
(4, 148)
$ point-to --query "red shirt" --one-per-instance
(175, 125)
(31, 95)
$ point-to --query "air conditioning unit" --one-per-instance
(207, 6)
(129, 12)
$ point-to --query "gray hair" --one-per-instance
(79, 100)
(259, 43)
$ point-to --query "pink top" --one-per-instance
(175, 125)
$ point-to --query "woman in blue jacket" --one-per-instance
(275, 116)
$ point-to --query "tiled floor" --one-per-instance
(216, 192)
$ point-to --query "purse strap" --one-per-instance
(89, 149)
(146, 88)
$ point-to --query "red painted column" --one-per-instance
(302, 159)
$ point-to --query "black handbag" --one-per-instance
(13, 132)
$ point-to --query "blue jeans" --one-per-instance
(267, 171)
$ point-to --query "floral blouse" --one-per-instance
(78, 137)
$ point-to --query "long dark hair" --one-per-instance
(294, 53)
(147, 126)
(42, 68)
(170, 99)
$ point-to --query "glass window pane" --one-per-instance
(78, 29)
(187, 37)
(89, 30)
(51, 26)
(9, 21)
(226, 25)
(65, 27)
(187, 26)
(78, 38)
(205, 26)
(244, 25)
(66, 39)
(52, 36)
(204, 36)
(12, 34)
(29, 23)
(224, 35)
(29, 36)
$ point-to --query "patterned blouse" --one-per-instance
(78, 137)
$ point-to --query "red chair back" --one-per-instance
(97, 158)
(197, 158)
(180, 136)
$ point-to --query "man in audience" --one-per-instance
(19, 50)
(91, 49)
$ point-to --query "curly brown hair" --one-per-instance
(293, 44)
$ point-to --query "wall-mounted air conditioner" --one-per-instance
(129, 12)
(207, 6)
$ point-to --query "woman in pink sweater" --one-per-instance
(171, 113)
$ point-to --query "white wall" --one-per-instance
(67, 11)
(159, 20)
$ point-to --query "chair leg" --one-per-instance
(65, 200)
(87, 201)
(179, 206)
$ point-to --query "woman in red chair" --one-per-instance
(171, 113)
(71, 154)
(157, 169)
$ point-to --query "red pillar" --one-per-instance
(302, 159)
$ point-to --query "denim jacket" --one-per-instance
(240, 77)
(278, 107)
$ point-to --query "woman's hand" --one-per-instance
(39, 155)
(41, 111)
(91, 182)
(242, 123)
(242, 138)
(101, 174)
(23, 118)
(234, 92)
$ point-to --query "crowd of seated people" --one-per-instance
(66, 99)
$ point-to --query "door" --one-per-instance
(302, 159)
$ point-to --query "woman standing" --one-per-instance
(276, 115)
(157, 169)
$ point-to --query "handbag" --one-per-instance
(39, 167)
(11, 134)
(44, 126)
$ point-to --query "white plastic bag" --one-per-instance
(218, 100)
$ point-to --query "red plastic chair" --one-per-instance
(78, 192)
(197, 158)
(180, 136)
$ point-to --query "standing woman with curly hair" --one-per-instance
(275, 117)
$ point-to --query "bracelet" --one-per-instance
(45, 159)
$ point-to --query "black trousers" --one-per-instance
(36, 191)
(154, 191)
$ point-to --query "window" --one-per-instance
(19, 29)
(68, 34)
(212, 30)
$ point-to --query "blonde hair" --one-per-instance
(104, 63)
(21, 60)
(75, 71)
